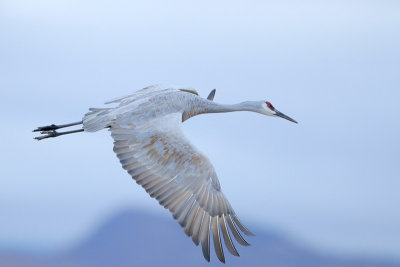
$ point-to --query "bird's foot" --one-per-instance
(54, 127)
(47, 133)
(50, 130)
(47, 128)
(54, 133)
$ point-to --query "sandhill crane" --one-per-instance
(149, 142)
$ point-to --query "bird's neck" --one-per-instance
(206, 106)
(213, 107)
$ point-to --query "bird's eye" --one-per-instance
(270, 106)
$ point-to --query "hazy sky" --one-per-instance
(332, 181)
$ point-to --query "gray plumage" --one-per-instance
(149, 142)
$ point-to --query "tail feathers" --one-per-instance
(97, 119)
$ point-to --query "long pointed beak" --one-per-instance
(280, 114)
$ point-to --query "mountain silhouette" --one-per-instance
(134, 238)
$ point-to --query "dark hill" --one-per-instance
(139, 239)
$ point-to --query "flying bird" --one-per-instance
(151, 146)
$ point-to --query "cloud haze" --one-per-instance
(331, 181)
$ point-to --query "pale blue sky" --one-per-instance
(332, 181)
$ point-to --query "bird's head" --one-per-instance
(268, 109)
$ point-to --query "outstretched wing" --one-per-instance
(158, 156)
(148, 92)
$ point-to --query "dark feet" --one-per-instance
(46, 128)
(53, 133)
(55, 127)
(50, 130)
(46, 133)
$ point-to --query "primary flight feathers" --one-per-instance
(149, 142)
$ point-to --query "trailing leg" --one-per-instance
(50, 130)
(53, 133)
(55, 127)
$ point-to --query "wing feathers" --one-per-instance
(182, 206)
(185, 216)
(164, 197)
(235, 232)
(184, 182)
(205, 236)
(161, 188)
(191, 217)
(177, 202)
(217, 240)
(227, 237)
(195, 227)
(241, 226)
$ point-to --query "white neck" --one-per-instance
(213, 107)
